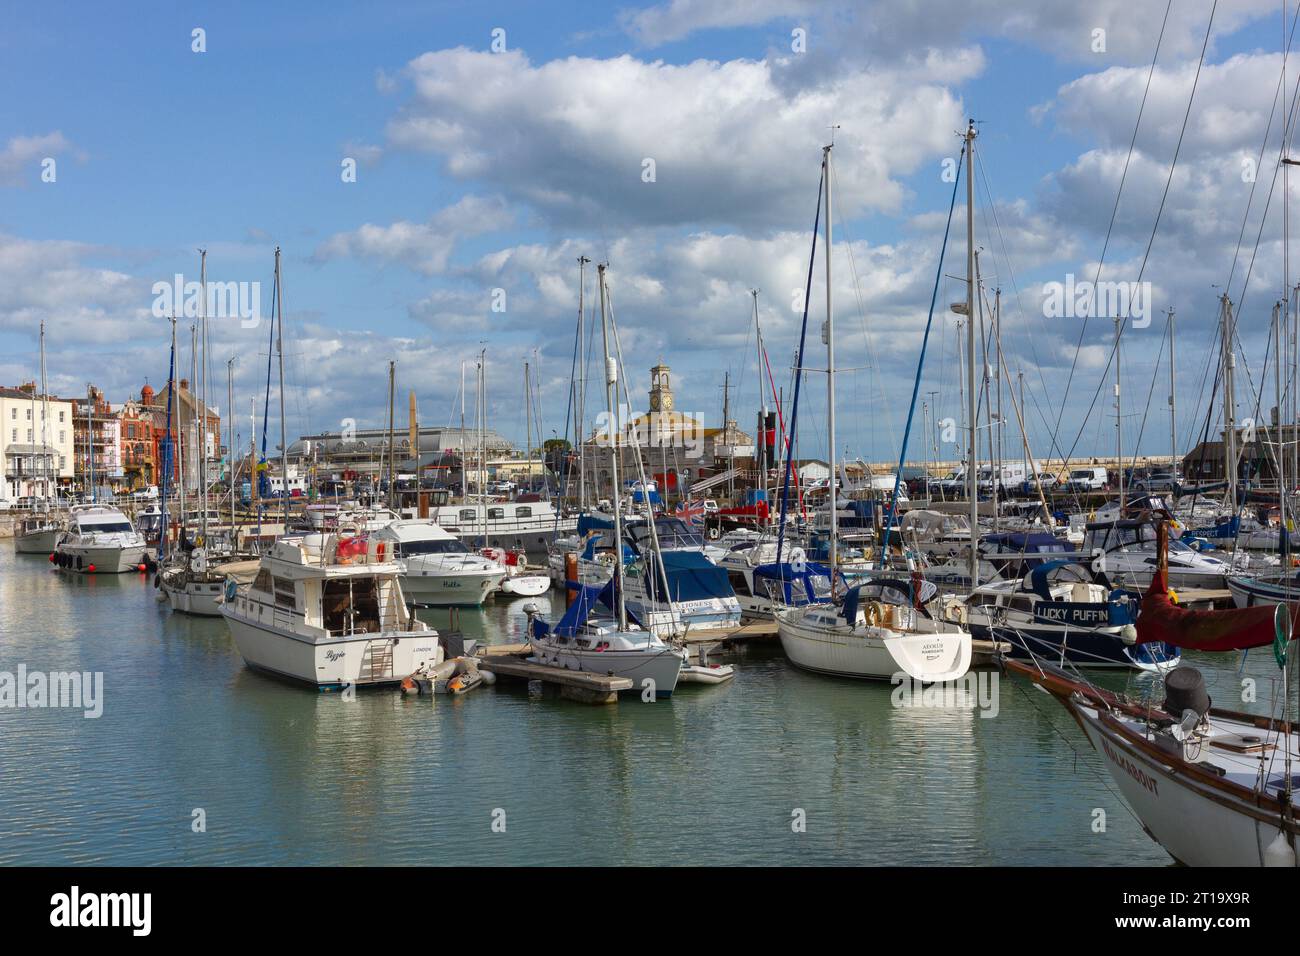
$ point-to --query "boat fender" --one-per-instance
(1279, 852)
(157, 581)
(232, 588)
(488, 677)
(380, 550)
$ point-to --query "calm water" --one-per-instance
(289, 775)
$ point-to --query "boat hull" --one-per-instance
(662, 667)
(1197, 825)
(333, 662)
(37, 542)
(866, 653)
(112, 559)
(1081, 648)
(201, 598)
(434, 588)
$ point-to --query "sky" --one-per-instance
(678, 142)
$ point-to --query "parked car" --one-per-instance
(1160, 481)
(1048, 479)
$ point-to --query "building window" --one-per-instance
(14, 437)
(62, 433)
(29, 414)
(63, 462)
(61, 412)
(29, 436)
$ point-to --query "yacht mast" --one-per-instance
(580, 393)
(761, 456)
(45, 424)
(464, 472)
(1173, 431)
(279, 348)
(391, 478)
(830, 368)
(972, 490)
(230, 443)
(613, 432)
(202, 437)
(1119, 430)
(1229, 411)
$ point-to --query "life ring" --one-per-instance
(873, 614)
(714, 534)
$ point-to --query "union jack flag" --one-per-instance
(690, 511)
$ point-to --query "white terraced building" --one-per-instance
(35, 449)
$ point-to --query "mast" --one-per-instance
(528, 418)
(391, 478)
(90, 438)
(230, 443)
(763, 463)
(203, 393)
(1173, 431)
(169, 446)
(580, 394)
(611, 382)
(1229, 410)
(830, 366)
(464, 472)
(279, 348)
(1119, 431)
(972, 452)
(45, 424)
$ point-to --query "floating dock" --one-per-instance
(506, 661)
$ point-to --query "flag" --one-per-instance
(690, 511)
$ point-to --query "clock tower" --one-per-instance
(661, 390)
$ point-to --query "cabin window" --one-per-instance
(284, 594)
(523, 512)
(1022, 604)
(739, 583)
(467, 514)
(496, 514)
(351, 606)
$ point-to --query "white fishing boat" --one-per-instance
(37, 534)
(878, 632)
(328, 610)
(197, 581)
(99, 540)
(437, 568)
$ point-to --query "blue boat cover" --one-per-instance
(588, 596)
(690, 577)
(786, 575)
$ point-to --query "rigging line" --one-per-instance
(866, 329)
(799, 376)
(1277, 98)
(1155, 227)
(920, 365)
(1019, 306)
(1155, 373)
(1120, 191)
(1006, 257)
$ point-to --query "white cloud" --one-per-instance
(425, 247)
(20, 160)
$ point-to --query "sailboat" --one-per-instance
(1214, 787)
(38, 533)
(882, 627)
(585, 639)
(194, 580)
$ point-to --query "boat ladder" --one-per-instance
(376, 661)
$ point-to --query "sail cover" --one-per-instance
(1162, 620)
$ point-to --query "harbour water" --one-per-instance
(717, 775)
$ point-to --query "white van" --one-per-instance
(1087, 479)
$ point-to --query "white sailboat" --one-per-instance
(39, 532)
(585, 641)
(882, 628)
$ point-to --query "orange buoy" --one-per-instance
(90, 568)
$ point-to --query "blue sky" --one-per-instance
(478, 173)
